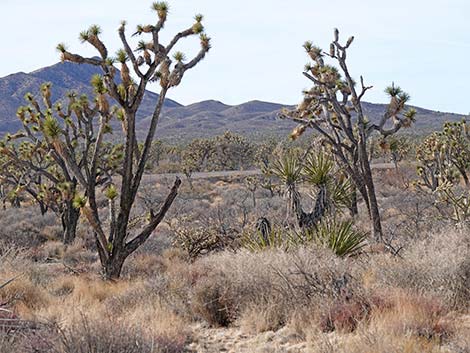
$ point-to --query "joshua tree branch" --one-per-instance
(132, 245)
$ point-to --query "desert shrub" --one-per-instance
(41, 340)
(275, 239)
(436, 265)
(343, 316)
(26, 227)
(338, 236)
(197, 241)
(88, 336)
(261, 318)
(222, 288)
(212, 300)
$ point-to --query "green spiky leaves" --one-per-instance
(98, 84)
(205, 41)
(84, 36)
(161, 8)
(393, 91)
(179, 56)
(313, 51)
(29, 97)
(51, 127)
(111, 192)
(121, 56)
(198, 28)
(317, 169)
(340, 237)
(92, 31)
(79, 201)
(61, 47)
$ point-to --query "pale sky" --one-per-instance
(424, 46)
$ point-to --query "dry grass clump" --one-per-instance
(25, 227)
(414, 315)
(408, 323)
(41, 340)
(438, 265)
(226, 287)
(102, 336)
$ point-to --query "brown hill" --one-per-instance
(200, 119)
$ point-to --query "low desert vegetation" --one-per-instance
(354, 238)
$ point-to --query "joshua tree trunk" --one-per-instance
(353, 207)
(70, 217)
(112, 267)
(373, 204)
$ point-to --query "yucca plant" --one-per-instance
(288, 168)
(339, 236)
(275, 239)
(318, 168)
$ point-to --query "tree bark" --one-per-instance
(112, 267)
(353, 210)
(373, 204)
(70, 218)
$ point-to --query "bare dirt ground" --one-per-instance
(231, 340)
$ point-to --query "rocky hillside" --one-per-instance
(64, 77)
(196, 120)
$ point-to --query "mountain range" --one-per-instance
(202, 119)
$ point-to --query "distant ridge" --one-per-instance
(201, 119)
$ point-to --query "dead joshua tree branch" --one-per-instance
(159, 64)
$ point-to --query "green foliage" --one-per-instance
(79, 201)
(443, 161)
(61, 47)
(161, 7)
(223, 152)
(51, 127)
(198, 28)
(340, 237)
(121, 56)
(98, 84)
(288, 168)
(179, 56)
(317, 168)
(276, 239)
(111, 192)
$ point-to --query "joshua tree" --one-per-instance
(444, 161)
(196, 156)
(333, 108)
(231, 152)
(115, 243)
(57, 148)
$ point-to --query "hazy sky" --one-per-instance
(424, 46)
